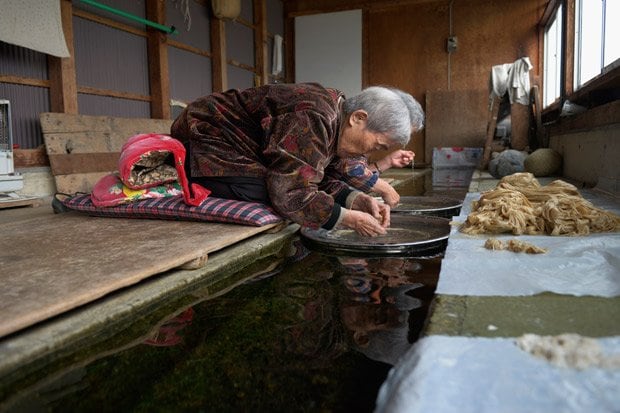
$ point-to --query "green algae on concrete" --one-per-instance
(544, 314)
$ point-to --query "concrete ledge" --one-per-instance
(467, 356)
(38, 181)
(64, 339)
(545, 314)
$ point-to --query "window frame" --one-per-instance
(555, 17)
(597, 91)
(603, 68)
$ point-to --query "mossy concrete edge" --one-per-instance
(543, 314)
(117, 309)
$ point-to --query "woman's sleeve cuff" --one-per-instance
(341, 197)
(335, 218)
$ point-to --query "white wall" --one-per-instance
(328, 50)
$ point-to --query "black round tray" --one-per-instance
(438, 206)
(408, 235)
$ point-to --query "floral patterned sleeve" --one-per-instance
(354, 172)
(295, 158)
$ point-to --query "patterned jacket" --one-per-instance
(284, 133)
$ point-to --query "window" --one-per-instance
(553, 58)
(596, 37)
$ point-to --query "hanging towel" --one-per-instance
(513, 78)
(519, 77)
(276, 64)
(499, 79)
(34, 24)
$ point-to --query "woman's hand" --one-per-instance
(390, 196)
(366, 203)
(400, 158)
(387, 192)
(363, 223)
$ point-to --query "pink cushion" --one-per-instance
(110, 191)
(174, 208)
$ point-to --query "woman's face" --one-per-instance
(355, 139)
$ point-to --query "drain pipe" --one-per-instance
(161, 27)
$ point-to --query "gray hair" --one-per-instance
(390, 111)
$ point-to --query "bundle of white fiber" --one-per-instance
(520, 205)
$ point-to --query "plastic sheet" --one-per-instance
(579, 265)
(464, 374)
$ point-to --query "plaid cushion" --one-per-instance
(174, 208)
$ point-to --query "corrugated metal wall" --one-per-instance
(190, 73)
(26, 104)
(238, 37)
(112, 59)
(199, 34)
(108, 58)
(26, 101)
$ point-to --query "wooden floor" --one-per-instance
(52, 263)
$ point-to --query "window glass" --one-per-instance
(552, 62)
(591, 37)
(612, 31)
(596, 37)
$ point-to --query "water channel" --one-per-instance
(310, 332)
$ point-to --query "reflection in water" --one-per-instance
(318, 336)
(376, 311)
(167, 335)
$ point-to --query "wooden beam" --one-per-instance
(19, 80)
(289, 49)
(157, 49)
(569, 50)
(600, 116)
(246, 23)
(87, 90)
(240, 65)
(61, 71)
(77, 163)
(550, 9)
(260, 42)
(306, 7)
(188, 48)
(219, 70)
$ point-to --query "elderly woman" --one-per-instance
(274, 144)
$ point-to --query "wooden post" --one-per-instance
(157, 50)
(260, 42)
(61, 71)
(219, 69)
(520, 126)
(491, 124)
(289, 46)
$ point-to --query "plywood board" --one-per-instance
(56, 263)
(455, 118)
(84, 148)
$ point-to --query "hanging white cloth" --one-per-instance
(499, 79)
(513, 78)
(34, 24)
(276, 63)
